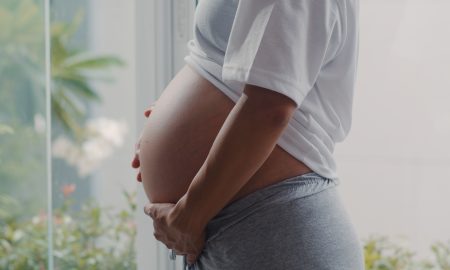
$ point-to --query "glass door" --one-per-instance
(75, 77)
(93, 134)
(25, 167)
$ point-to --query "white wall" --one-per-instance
(112, 32)
(395, 164)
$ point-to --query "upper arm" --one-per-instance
(266, 99)
(280, 47)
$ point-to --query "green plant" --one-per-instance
(78, 235)
(441, 252)
(71, 72)
(22, 166)
(5, 129)
(22, 69)
(22, 94)
(381, 253)
(91, 238)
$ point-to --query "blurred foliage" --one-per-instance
(382, 253)
(22, 93)
(92, 238)
(5, 129)
(22, 69)
(22, 62)
(71, 71)
(77, 234)
(22, 167)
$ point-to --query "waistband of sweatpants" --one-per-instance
(288, 189)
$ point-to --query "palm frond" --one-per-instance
(79, 86)
(86, 61)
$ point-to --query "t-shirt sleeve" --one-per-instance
(280, 45)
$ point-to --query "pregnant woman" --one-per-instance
(236, 157)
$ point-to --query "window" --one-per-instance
(75, 77)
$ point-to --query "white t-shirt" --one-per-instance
(304, 49)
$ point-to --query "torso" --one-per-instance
(180, 132)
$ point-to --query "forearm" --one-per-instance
(243, 144)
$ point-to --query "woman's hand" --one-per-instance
(136, 162)
(172, 227)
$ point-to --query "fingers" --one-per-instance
(149, 111)
(158, 212)
(136, 162)
(191, 259)
(150, 210)
(194, 251)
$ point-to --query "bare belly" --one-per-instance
(180, 132)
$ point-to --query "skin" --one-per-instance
(243, 156)
(136, 162)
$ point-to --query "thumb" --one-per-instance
(154, 209)
(151, 209)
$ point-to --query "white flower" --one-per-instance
(67, 219)
(108, 129)
(61, 147)
(104, 135)
(35, 220)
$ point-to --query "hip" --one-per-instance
(298, 223)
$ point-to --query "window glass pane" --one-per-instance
(93, 134)
(23, 136)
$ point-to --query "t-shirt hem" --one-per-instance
(265, 79)
(284, 139)
(318, 167)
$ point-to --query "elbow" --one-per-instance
(277, 108)
(280, 117)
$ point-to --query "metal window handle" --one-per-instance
(172, 255)
(186, 266)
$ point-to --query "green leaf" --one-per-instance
(79, 87)
(5, 129)
(59, 54)
(66, 119)
(73, 27)
(6, 19)
(85, 61)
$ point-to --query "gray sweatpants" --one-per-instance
(299, 223)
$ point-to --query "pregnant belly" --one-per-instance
(180, 132)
